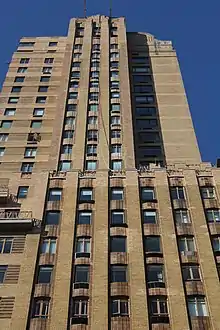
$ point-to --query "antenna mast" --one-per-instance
(85, 8)
(110, 8)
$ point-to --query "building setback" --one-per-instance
(109, 219)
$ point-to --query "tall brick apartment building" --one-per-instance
(109, 219)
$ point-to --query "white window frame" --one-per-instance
(189, 269)
(183, 216)
(4, 242)
(214, 218)
(209, 192)
(82, 306)
(198, 304)
(83, 245)
(30, 152)
(43, 308)
(177, 189)
(186, 243)
(50, 245)
(119, 302)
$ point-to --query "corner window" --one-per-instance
(118, 244)
(79, 310)
(119, 307)
(67, 149)
(191, 273)
(55, 195)
(84, 218)
(149, 217)
(197, 306)
(115, 120)
(213, 215)
(186, 244)
(155, 276)
(85, 195)
(22, 192)
(92, 135)
(30, 152)
(48, 246)
(152, 244)
(41, 308)
(52, 218)
(115, 134)
(64, 165)
(158, 307)
(177, 192)
(216, 244)
(26, 44)
(81, 274)
(83, 247)
(93, 107)
(6, 244)
(45, 274)
(91, 150)
(118, 273)
(68, 134)
(91, 165)
(147, 194)
(181, 216)
(45, 79)
(115, 95)
(116, 165)
(208, 192)
(117, 218)
(117, 194)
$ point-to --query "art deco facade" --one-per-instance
(109, 219)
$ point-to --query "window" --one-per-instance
(213, 215)
(116, 149)
(115, 134)
(85, 218)
(147, 194)
(119, 307)
(3, 270)
(152, 244)
(9, 112)
(22, 70)
(141, 69)
(75, 74)
(83, 247)
(197, 306)
(148, 137)
(95, 47)
(95, 64)
(143, 89)
(48, 246)
(144, 99)
(67, 149)
(81, 274)
(41, 99)
(181, 216)
(76, 64)
(38, 112)
(114, 46)
(6, 123)
(19, 79)
(41, 308)
(47, 70)
(55, 194)
(186, 244)
(216, 244)
(149, 216)
(36, 123)
(114, 55)
(93, 107)
(115, 95)
(3, 137)
(139, 59)
(74, 84)
(43, 89)
(117, 218)
(77, 55)
(2, 151)
(115, 107)
(118, 244)
(45, 274)
(114, 65)
(52, 43)
(118, 273)
(79, 309)
(143, 124)
(49, 60)
(73, 96)
(30, 152)
(26, 44)
(91, 150)
(117, 194)
(177, 192)
(191, 273)
(95, 75)
(6, 244)
(141, 79)
(208, 192)
(71, 107)
(116, 165)
(93, 96)
(45, 79)
(85, 195)
(27, 167)
(115, 120)
(22, 192)
(13, 100)
(92, 120)
(52, 218)
(155, 276)
(149, 151)
(91, 165)
(78, 47)
(65, 165)
(24, 60)
(70, 121)
(114, 74)
(68, 134)
(158, 306)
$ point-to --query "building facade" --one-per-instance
(109, 219)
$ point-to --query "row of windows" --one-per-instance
(39, 99)
(32, 43)
(46, 69)
(26, 60)
(41, 89)
(8, 123)
(20, 79)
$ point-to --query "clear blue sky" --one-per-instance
(192, 25)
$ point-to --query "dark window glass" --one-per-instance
(85, 194)
(117, 218)
(81, 274)
(19, 79)
(52, 218)
(44, 274)
(3, 270)
(118, 273)
(152, 244)
(147, 194)
(118, 244)
(84, 218)
(6, 244)
(177, 192)
(191, 273)
(55, 194)
(22, 192)
(149, 216)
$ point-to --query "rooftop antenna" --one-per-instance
(110, 8)
(85, 8)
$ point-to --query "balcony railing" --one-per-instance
(18, 220)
